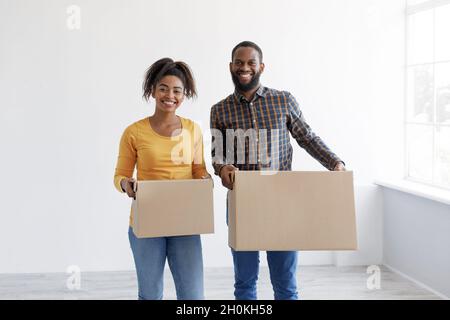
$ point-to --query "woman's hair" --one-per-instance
(168, 67)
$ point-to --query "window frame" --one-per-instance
(409, 11)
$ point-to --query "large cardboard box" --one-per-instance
(173, 208)
(291, 210)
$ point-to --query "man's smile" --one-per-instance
(245, 76)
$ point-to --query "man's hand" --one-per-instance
(339, 167)
(127, 185)
(227, 175)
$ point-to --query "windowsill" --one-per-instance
(417, 189)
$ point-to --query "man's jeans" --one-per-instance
(184, 255)
(282, 267)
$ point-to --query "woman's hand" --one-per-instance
(128, 185)
(208, 176)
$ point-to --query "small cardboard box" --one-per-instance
(291, 210)
(173, 208)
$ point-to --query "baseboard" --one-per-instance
(420, 284)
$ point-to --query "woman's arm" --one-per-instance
(198, 164)
(126, 162)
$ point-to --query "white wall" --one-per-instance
(416, 238)
(67, 95)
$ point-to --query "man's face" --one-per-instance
(246, 68)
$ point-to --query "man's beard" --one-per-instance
(248, 86)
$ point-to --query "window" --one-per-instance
(427, 116)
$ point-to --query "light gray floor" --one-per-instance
(315, 282)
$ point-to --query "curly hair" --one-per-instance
(167, 67)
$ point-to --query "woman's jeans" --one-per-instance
(184, 255)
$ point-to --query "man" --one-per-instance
(266, 117)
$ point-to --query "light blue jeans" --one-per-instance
(184, 255)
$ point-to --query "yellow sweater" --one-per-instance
(158, 157)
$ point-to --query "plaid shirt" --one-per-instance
(255, 135)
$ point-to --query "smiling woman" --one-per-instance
(148, 145)
(166, 67)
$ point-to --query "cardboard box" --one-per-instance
(292, 210)
(173, 208)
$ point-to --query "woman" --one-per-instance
(148, 144)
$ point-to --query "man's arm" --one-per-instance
(218, 151)
(308, 140)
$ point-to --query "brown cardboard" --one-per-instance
(292, 210)
(173, 208)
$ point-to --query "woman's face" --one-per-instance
(168, 93)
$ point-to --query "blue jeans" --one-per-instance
(282, 268)
(184, 255)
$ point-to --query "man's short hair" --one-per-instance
(247, 44)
